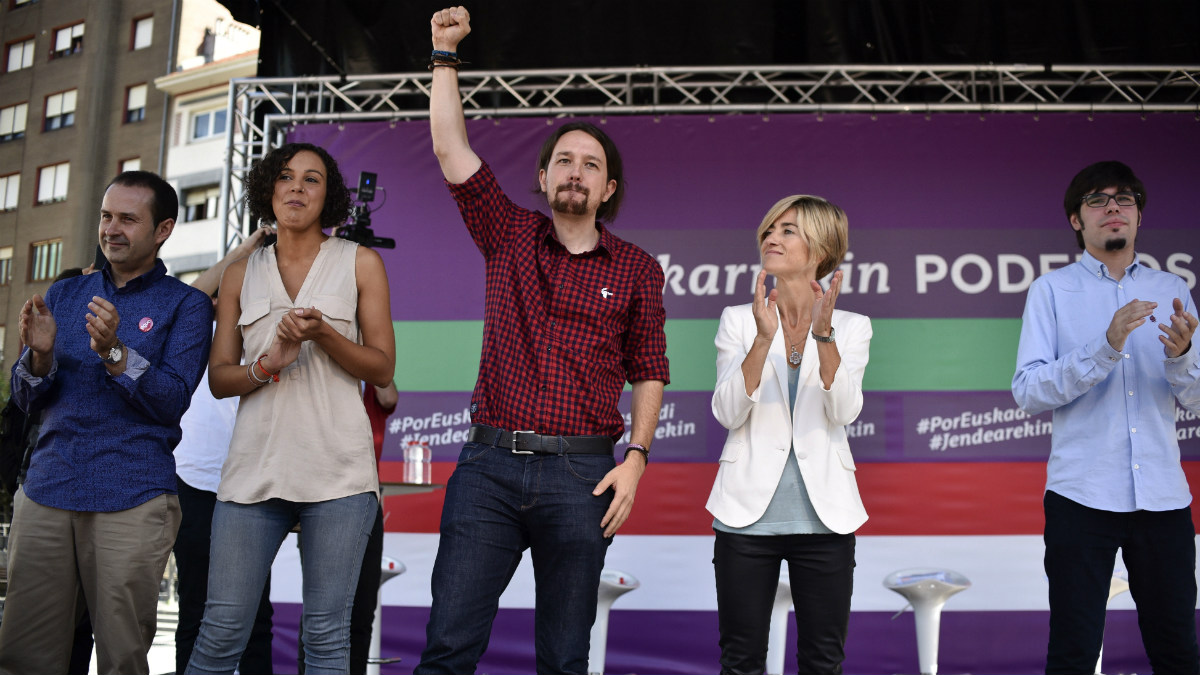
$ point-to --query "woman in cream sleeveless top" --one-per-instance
(299, 325)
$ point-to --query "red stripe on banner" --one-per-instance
(902, 498)
(414, 512)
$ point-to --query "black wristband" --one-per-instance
(637, 447)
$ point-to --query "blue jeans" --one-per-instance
(191, 556)
(245, 539)
(497, 505)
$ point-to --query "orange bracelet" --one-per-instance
(258, 362)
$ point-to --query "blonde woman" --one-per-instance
(789, 378)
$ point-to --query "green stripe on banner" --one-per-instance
(437, 355)
(942, 355)
(906, 354)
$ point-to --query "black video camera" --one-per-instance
(358, 227)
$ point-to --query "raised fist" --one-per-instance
(449, 27)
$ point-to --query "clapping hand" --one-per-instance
(823, 301)
(37, 326)
(766, 314)
(1178, 338)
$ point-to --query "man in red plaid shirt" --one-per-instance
(571, 314)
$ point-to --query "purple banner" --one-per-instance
(893, 427)
(976, 197)
(661, 643)
(951, 216)
(686, 431)
(901, 273)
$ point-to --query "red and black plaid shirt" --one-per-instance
(562, 333)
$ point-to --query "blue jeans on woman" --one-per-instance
(497, 505)
(245, 539)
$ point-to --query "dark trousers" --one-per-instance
(1159, 550)
(191, 557)
(366, 596)
(821, 573)
(497, 505)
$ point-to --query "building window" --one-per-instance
(143, 30)
(67, 41)
(200, 203)
(20, 55)
(10, 185)
(45, 259)
(12, 122)
(132, 164)
(60, 110)
(5, 267)
(52, 183)
(135, 103)
(208, 124)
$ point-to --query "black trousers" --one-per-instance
(191, 557)
(821, 572)
(1159, 550)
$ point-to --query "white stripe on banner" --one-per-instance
(675, 572)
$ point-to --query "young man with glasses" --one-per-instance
(1106, 343)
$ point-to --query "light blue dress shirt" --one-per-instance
(1113, 446)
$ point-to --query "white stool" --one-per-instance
(927, 589)
(1117, 586)
(777, 639)
(613, 584)
(391, 568)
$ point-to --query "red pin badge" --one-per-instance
(146, 324)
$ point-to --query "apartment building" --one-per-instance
(196, 138)
(79, 104)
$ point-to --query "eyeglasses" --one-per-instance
(1100, 200)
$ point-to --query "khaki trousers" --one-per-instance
(117, 559)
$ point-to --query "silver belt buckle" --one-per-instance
(514, 449)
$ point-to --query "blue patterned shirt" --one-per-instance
(105, 442)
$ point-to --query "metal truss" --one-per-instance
(264, 109)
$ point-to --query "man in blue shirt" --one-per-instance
(1106, 343)
(111, 362)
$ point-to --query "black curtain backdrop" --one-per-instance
(326, 37)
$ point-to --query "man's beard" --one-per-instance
(1115, 244)
(564, 204)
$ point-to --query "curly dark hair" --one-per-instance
(260, 185)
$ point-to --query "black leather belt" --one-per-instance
(528, 442)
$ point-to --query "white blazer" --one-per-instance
(761, 430)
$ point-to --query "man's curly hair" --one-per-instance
(260, 185)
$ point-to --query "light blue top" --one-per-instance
(1113, 446)
(790, 511)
